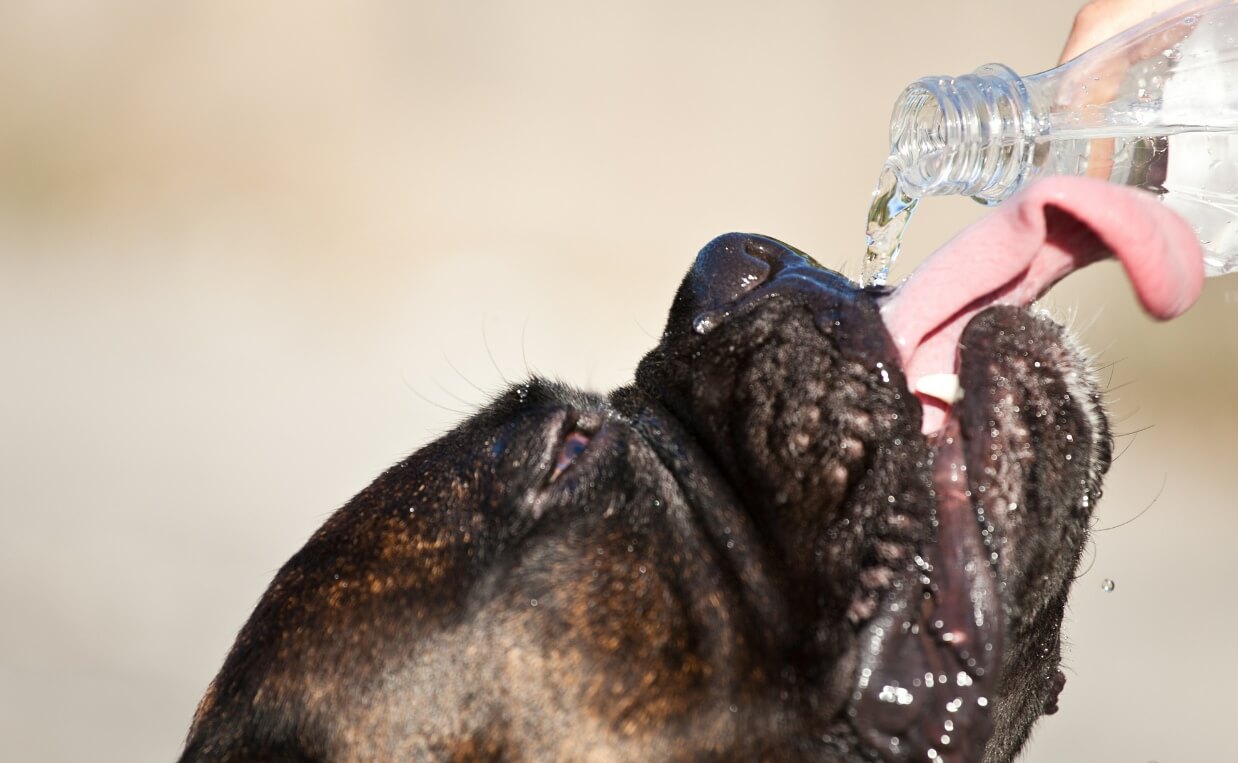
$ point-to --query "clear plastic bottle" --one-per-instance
(1155, 107)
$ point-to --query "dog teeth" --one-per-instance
(944, 387)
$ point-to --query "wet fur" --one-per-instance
(702, 582)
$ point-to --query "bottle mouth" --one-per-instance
(920, 148)
(970, 135)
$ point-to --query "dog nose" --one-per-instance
(734, 264)
(739, 269)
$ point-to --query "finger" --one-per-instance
(1101, 19)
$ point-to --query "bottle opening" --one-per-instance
(966, 135)
(918, 142)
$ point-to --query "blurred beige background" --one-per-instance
(253, 253)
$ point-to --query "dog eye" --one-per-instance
(573, 445)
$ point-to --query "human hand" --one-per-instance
(1101, 19)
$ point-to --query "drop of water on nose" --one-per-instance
(704, 324)
(1108, 585)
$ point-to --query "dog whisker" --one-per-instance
(1155, 498)
(467, 380)
(409, 386)
(1126, 447)
(451, 394)
(646, 331)
(1089, 546)
(524, 354)
(1133, 432)
(485, 340)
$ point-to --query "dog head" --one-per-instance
(769, 546)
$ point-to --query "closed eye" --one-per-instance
(573, 445)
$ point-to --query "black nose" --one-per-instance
(732, 265)
(737, 269)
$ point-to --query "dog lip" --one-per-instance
(930, 663)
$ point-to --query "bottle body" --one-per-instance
(1155, 108)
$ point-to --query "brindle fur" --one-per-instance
(703, 582)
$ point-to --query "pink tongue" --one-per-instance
(1027, 244)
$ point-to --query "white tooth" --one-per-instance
(944, 387)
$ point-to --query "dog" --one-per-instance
(753, 552)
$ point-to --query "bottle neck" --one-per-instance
(971, 135)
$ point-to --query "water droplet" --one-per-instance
(532, 602)
(704, 324)
(895, 695)
(734, 708)
(1108, 585)
(1189, 20)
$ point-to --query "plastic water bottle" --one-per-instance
(1155, 107)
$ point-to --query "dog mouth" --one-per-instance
(952, 648)
(1009, 259)
(931, 654)
(820, 434)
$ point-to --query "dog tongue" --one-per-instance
(1027, 244)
